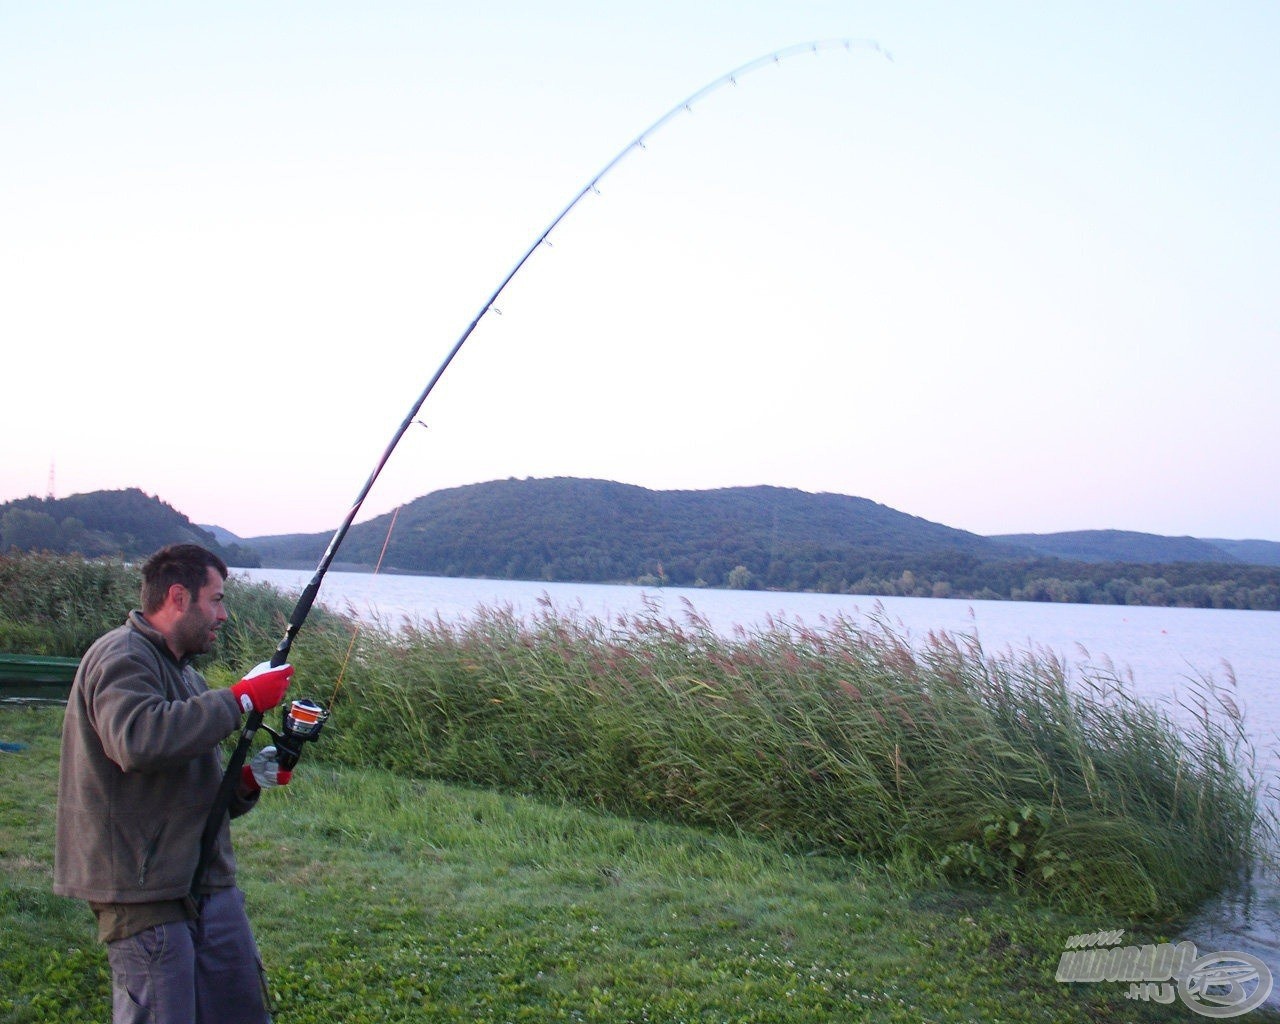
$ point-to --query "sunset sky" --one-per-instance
(1020, 277)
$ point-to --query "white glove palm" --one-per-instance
(266, 769)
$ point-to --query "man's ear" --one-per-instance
(179, 597)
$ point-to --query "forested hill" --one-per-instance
(127, 523)
(1251, 552)
(758, 537)
(599, 531)
(1128, 546)
(577, 530)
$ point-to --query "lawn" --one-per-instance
(379, 897)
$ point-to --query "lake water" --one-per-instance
(1162, 651)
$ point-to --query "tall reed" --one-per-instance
(847, 739)
(58, 605)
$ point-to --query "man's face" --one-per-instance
(205, 613)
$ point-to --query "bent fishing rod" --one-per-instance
(301, 724)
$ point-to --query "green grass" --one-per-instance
(377, 897)
(651, 822)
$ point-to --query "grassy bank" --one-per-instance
(992, 771)
(639, 820)
(383, 898)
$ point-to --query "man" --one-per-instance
(140, 767)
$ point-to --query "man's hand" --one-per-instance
(264, 771)
(263, 688)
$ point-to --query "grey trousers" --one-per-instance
(206, 971)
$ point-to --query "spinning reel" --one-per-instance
(301, 724)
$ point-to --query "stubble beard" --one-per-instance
(193, 633)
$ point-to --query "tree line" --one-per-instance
(570, 530)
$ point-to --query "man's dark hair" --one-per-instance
(188, 564)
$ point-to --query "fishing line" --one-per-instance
(308, 596)
(309, 593)
(355, 633)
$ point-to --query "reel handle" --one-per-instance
(301, 724)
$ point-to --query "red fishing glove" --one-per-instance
(263, 688)
(264, 771)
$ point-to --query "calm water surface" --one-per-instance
(1163, 652)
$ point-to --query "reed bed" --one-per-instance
(849, 738)
(57, 605)
(845, 739)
